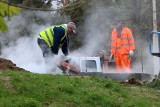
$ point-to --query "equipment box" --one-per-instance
(151, 43)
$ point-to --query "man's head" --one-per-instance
(119, 24)
(71, 28)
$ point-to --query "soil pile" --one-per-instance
(9, 65)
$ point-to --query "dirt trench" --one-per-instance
(9, 65)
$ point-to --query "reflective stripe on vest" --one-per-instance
(47, 35)
(62, 42)
(127, 44)
(124, 38)
(131, 37)
(127, 38)
(131, 43)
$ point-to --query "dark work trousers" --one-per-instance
(46, 50)
(47, 55)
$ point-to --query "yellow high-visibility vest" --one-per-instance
(47, 35)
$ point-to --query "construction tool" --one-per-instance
(67, 68)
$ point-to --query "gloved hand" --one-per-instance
(67, 59)
(131, 53)
(64, 58)
(111, 57)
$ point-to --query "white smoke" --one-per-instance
(22, 48)
(97, 31)
(24, 51)
(143, 62)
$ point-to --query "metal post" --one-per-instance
(141, 60)
(154, 16)
(8, 10)
(155, 39)
(155, 36)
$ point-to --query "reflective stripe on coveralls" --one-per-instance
(120, 48)
(47, 35)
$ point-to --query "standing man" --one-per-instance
(122, 47)
(55, 37)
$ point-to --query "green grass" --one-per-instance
(22, 89)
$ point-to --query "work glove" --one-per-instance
(131, 53)
(67, 59)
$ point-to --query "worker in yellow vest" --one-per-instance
(55, 37)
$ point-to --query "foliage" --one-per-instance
(3, 26)
(155, 83)
(10, 10)
(37, 3)
(6, 10)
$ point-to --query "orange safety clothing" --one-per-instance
(120, 47)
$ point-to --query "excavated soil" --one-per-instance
(9, 65)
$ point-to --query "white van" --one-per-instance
(87, 64)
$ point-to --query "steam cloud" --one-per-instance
(19, 44)
(24, 51)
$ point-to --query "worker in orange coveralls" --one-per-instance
(122, 47)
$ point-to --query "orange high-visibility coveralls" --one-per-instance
(120, 48)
